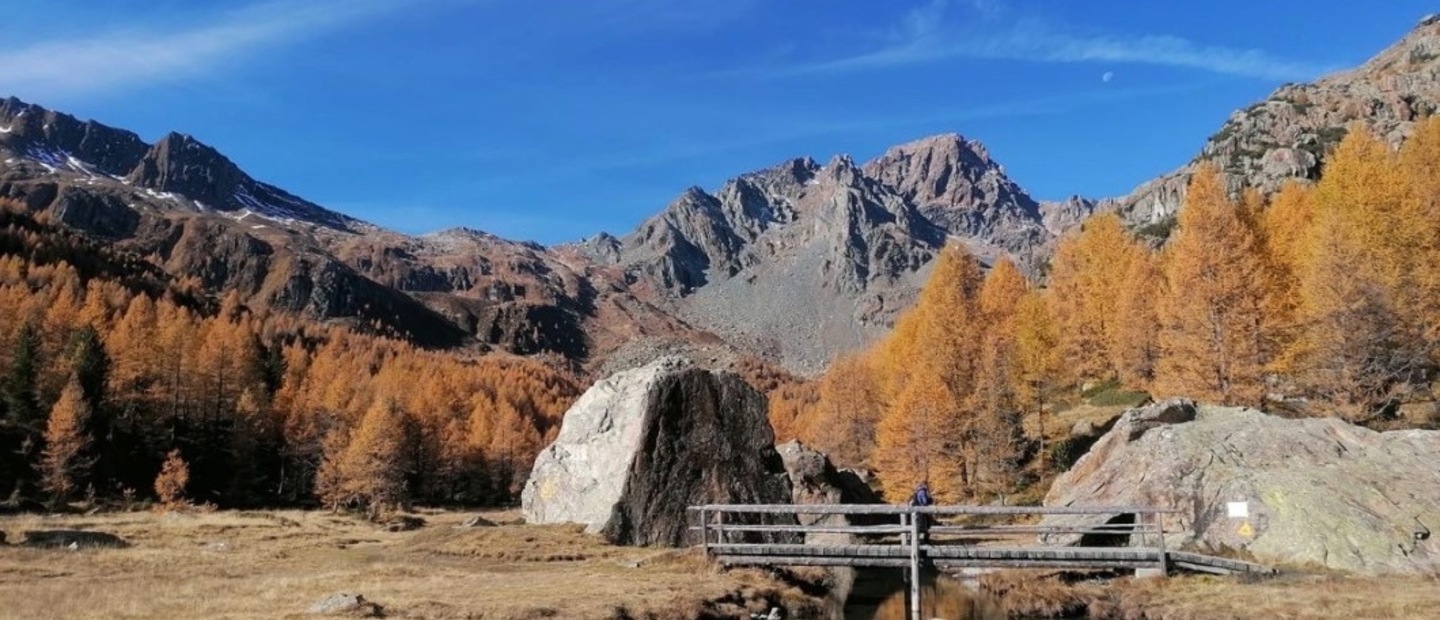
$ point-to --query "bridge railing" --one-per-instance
(729, 529)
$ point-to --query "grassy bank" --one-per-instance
(1032, 595)
(277, 564)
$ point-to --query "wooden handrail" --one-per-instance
(892, 509)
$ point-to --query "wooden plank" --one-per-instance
(817, 529)
(887, 509)
(767, 560)
(809, 550)
(981, 530)
(948, 564)
(1193, 560)
(1041, 553)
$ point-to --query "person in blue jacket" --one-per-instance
(922, 498)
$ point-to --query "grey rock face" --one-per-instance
(801, 261)
(641, 446)
(1318, 492)
(814, 480)
(958, 187)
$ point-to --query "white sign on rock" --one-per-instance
(1238, 510)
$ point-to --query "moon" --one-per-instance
(1107, 76)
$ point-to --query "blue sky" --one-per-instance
(552, 120)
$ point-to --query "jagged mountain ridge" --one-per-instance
(802, 260)
(197, 214)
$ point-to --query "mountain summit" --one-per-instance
(802, 261)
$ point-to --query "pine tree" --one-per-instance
(915, 441)
(996, 436)
(1420, 167)
(1214, 343)
(66, 462)
(91, 364)
(21, 388)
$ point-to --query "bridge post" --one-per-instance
(1157, 529)
(720, 527)
(705, 532)
(914, 565)
(1164, 559)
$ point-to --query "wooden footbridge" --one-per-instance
(947, 538)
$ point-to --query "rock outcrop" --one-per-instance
(1315, 492)
(814, 480)
(641, 446)
(1287, 135)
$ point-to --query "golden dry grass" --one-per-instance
(1039, 595)
(277, 564)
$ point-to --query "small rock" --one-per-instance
(1083, 428)
(402, 523)
(347, 604)
(220, 546)
(476, 521)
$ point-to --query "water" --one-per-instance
(880, 594)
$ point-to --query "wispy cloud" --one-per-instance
(934, 32)
(134, 56)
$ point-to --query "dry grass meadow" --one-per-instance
(1040, 594)
(276, 564)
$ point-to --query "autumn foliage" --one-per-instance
(174, 476)
(107, 366)
(1322, 294)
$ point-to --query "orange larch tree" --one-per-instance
(66, 462)
(1086, 282)
(1214, 338)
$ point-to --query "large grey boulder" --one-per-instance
(641, 446)
(1315, 492)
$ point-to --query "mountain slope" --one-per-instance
(198, 215)
(1286, 135)
(802, 261)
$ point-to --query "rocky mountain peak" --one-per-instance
(181, 164)
(955, 184)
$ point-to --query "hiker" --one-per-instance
(922, 498)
